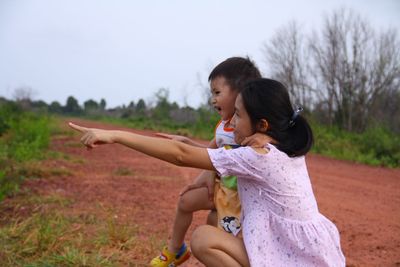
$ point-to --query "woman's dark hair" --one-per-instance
(237, 71)
(269, 99)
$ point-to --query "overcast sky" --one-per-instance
(126, 50)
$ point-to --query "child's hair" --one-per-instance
(237, 71)
(269, 99)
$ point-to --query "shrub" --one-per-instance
(28, 137)
(24, 137)
(376, 146)
(382, 145)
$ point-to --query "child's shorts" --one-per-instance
(227, 204)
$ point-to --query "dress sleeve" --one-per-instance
(241, 162)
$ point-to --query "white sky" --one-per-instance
(126, 50)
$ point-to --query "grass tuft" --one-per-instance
(47, 236)
(123, 171)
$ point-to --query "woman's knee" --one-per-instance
(213, 246)
(199, 242)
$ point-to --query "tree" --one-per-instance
(23, 93)
(141, 107)
(129, 111)
(131, 105)
(286, 56)
(55, 107)
(90, 105)
(341, 71)
(39, 105)
(72, 106)
(103, 104)
(354, 66)
(163, 107)
(387, 109)
(23, 96)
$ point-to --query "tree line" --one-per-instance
(160, 110)
(346, 73)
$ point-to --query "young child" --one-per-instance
(282, 225)
(226, 81)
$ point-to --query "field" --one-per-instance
(114, 207)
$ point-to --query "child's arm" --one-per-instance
(257, 140)
(212, 144)
(181, 138)
(168, 150)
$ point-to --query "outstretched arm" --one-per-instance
(181, 138)
(168, 150)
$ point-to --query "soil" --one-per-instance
(363, 201)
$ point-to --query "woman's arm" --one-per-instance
(168, 150)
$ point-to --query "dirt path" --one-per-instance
(363, 201)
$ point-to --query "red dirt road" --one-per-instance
(363, 201)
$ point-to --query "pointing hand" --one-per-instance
(93, 137)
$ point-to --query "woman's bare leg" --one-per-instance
(214, 247)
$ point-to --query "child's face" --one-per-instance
(241, 122)
(223, 97)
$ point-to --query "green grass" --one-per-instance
(47, 239)
(27, 138)
(376, 146)
(46, 234)
(12, 176)
(24, 137)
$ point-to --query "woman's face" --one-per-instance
(241, 121)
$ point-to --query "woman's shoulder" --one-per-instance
(271, 153)
(266, 150)
(252, 155)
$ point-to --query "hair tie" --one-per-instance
(294, 116)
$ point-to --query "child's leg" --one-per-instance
(193, 200)
(190, 201)
(212, 218)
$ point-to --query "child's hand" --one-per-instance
(175, 137)
(257, 140)
(206, 179)
(93, 137)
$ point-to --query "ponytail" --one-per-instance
(269, 99)
(299, 140)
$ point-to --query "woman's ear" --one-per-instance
(262, 126)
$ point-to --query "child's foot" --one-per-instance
(171, 259)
